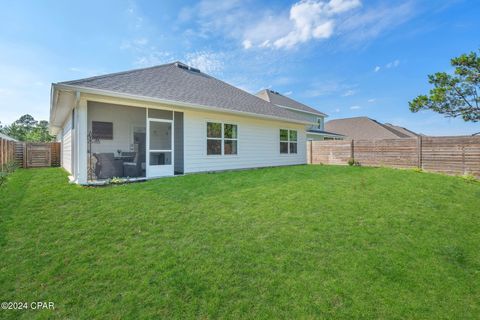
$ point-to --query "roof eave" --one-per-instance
(172, 102)
(318, 113)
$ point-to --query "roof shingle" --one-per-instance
(177, 82)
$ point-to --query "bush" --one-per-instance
(3, 177)
(352, 162)
(470, 178)
(7, 169)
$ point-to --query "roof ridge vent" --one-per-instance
(186, 67)
(194, 69)
(181, 65)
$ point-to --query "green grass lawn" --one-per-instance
(293, 242)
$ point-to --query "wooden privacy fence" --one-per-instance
(29, 154)
(450, 155)
(7, 152)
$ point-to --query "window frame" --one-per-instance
(289, 142)
(222, 138)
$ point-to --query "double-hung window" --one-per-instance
(222, 138)
(288, 141)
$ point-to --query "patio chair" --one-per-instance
(107, 167)
(132, 168)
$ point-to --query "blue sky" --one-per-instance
(344, 57)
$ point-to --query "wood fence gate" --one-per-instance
(38, 155)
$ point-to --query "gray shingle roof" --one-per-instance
(365, 128)
(177, 82)
(280, 100)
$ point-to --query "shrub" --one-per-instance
(3, 177)
(352, 162)
(417, 169)
(7, 169)
(117, 180)
(11, 166)
(469, 178)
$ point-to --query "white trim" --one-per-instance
(148, 150)
(168, 102)
(300, 110)
(288, 141)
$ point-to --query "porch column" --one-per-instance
(82, 132)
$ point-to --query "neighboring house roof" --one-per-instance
(5, 137)
(403, 130)
(283, 101)
(366, 128)
(177, 82)
(322, 132)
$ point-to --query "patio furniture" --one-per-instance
(134, 167)
(107, 166)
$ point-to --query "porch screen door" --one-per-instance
(160, 148)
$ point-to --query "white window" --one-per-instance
(288, 141)
(222, 138)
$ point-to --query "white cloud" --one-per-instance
(393, 64)
(349, 93)
(377, 68)
(208, 62)
(254, 25)
(152, 57)
(287, 93)
(363, 26)
(372, 100)
(313, 20)
(355, 107)
(247, 44)
(337, 110)
(330, 87)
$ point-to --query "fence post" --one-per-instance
(352, 148)
(1, 154)
(419, 152)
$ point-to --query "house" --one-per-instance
(367, 128)
(170, 119)
(314, 132)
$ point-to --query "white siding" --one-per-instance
(66, 156)
(258, 143)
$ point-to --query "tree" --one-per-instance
(28, 129)
(454, 95)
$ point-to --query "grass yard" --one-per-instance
(294, 242)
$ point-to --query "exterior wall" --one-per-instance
(125, 120)
(67, 145)
(258, 143)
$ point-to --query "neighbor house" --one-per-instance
(315, 131)
(367, 128)
(170, 119)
